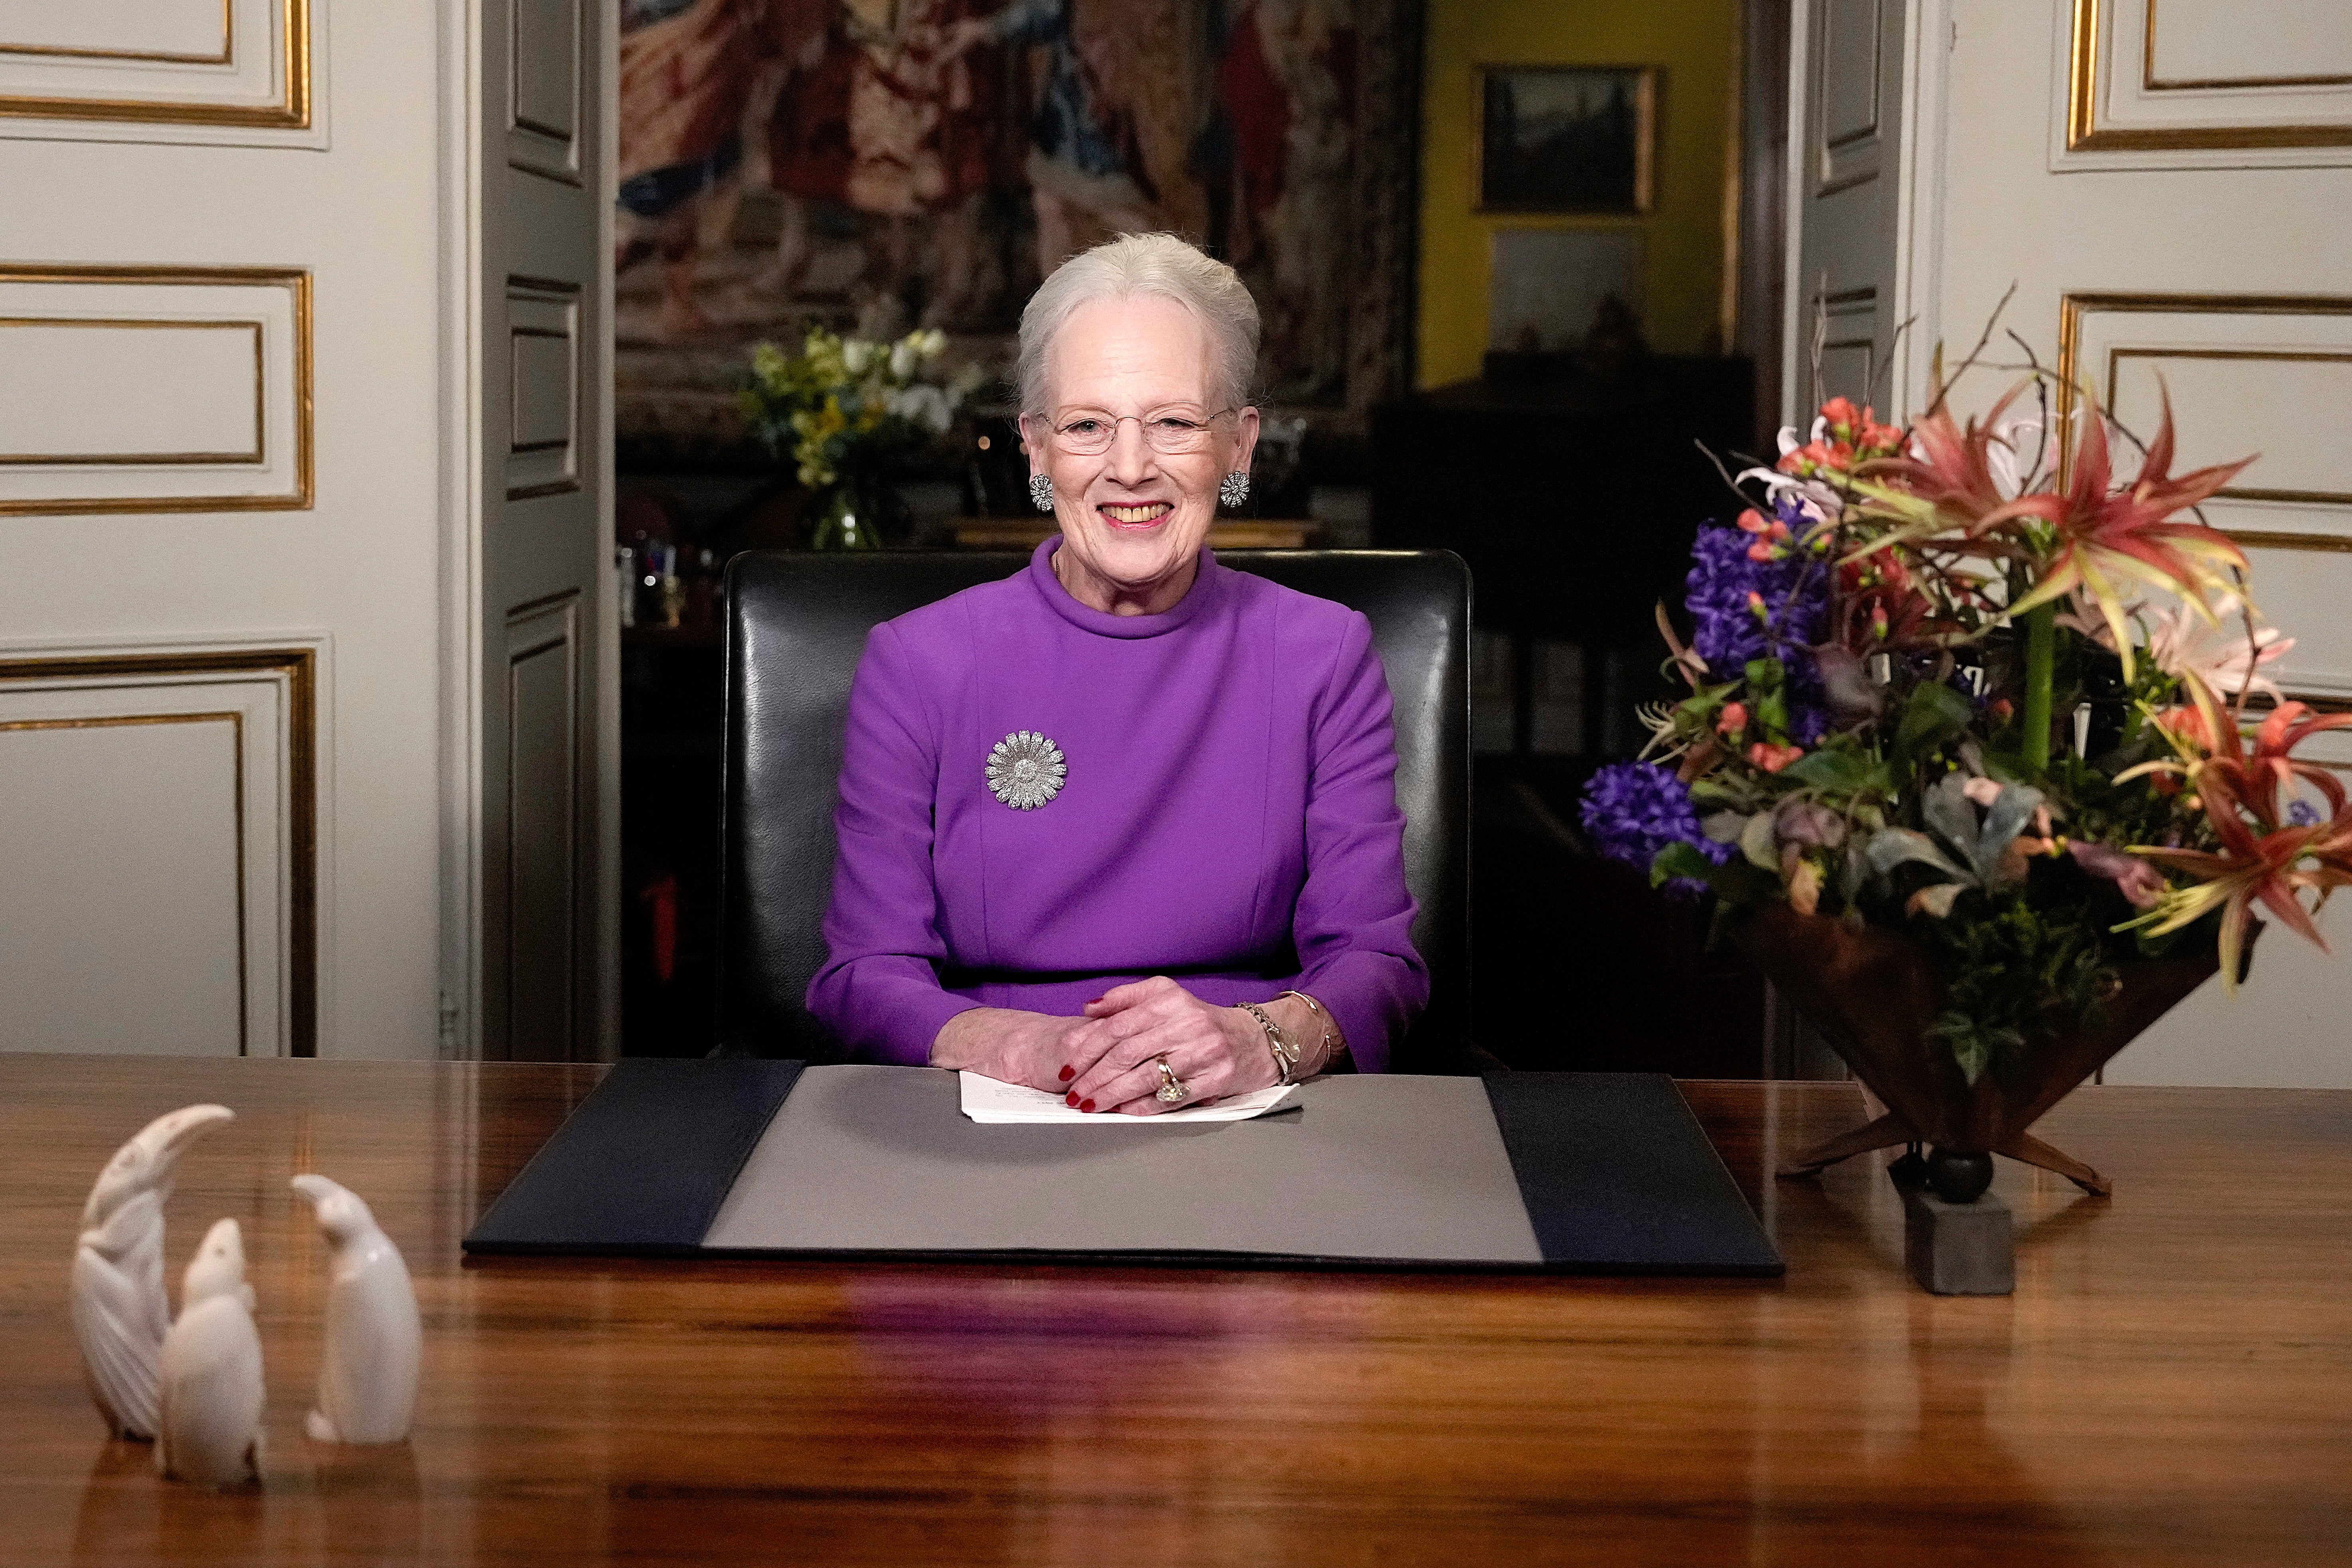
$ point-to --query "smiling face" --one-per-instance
(1132, 517)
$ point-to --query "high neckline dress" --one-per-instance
(1228, 816)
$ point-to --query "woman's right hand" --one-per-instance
(1009, 1045)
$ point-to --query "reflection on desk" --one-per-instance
(2172, 1382)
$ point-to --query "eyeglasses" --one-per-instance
(1089, 434)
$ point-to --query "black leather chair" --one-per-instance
(796, 624)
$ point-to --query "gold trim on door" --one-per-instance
(2319, 543)
(2150, 82)
(2084, 134)
(158, 57)
(295, 280)
(299, 667)
(186, 459)
(290, 112)
(2291, 356)
(2073, 307)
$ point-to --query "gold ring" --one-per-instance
(1172, 1091)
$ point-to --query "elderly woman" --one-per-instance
(1123, 826)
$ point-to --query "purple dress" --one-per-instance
(1228, 817)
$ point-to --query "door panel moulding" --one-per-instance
(2150, 81)
(65, 45)
(1847, 153)
(238, 890)
(2241, 328)
(256, 454)
(277, 474)
(544, 367)
(260, 80)
(2116, 103)
(1866, 205)
(542, 637)
(543, 86)
(293, 670)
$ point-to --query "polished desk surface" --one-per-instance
(2172, 1382)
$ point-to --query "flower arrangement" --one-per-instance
(850, 411)
(1943, 683)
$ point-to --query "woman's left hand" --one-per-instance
(1215, 1051)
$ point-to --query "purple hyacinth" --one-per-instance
(1728, 632)
(1633, 810)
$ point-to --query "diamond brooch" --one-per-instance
(1026, 770)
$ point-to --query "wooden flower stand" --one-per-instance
(1874, 993)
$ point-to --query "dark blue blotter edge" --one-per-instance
(643, 1164)
(1618, 1178)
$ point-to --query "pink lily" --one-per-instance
(2108, 536)
(2268, 869)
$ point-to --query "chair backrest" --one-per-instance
(796, 624)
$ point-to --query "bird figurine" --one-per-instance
(119, 1312)
(208, 1409)
(367, 1379)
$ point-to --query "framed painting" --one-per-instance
(1566, 139)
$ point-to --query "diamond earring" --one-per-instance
(1041, 491)
(1233, 489)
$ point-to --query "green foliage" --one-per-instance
(2018, 966)
(1935, 715)
(1840, 768)
(1736, 882)
(1925, 812)
(846, 405)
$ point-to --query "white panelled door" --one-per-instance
(1854, 277)
(2164, 182)
(220, 628)
(302, 450)
(543, 734)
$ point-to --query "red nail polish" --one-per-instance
(1097, 1001)
(1085, 1105)
(1070, 1098)
(1069, 1073)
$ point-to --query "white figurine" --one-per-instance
(119, 1312)
(208, 1414)
(367, 1379)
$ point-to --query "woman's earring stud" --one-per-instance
(1041, 491)
(1233, 489)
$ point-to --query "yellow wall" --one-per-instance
(1695, 46)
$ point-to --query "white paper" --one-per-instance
(992, 1100)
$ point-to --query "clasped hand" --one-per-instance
(1108, 1059)
(1112, 1054)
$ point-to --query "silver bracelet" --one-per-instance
(1286, 1054)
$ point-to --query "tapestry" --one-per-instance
(880, 166)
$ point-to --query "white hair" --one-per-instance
(1159, 265)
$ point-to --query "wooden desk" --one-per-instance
(2172, 1382)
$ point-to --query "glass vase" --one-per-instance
(846, 519)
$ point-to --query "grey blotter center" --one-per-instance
(1382, 1168)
